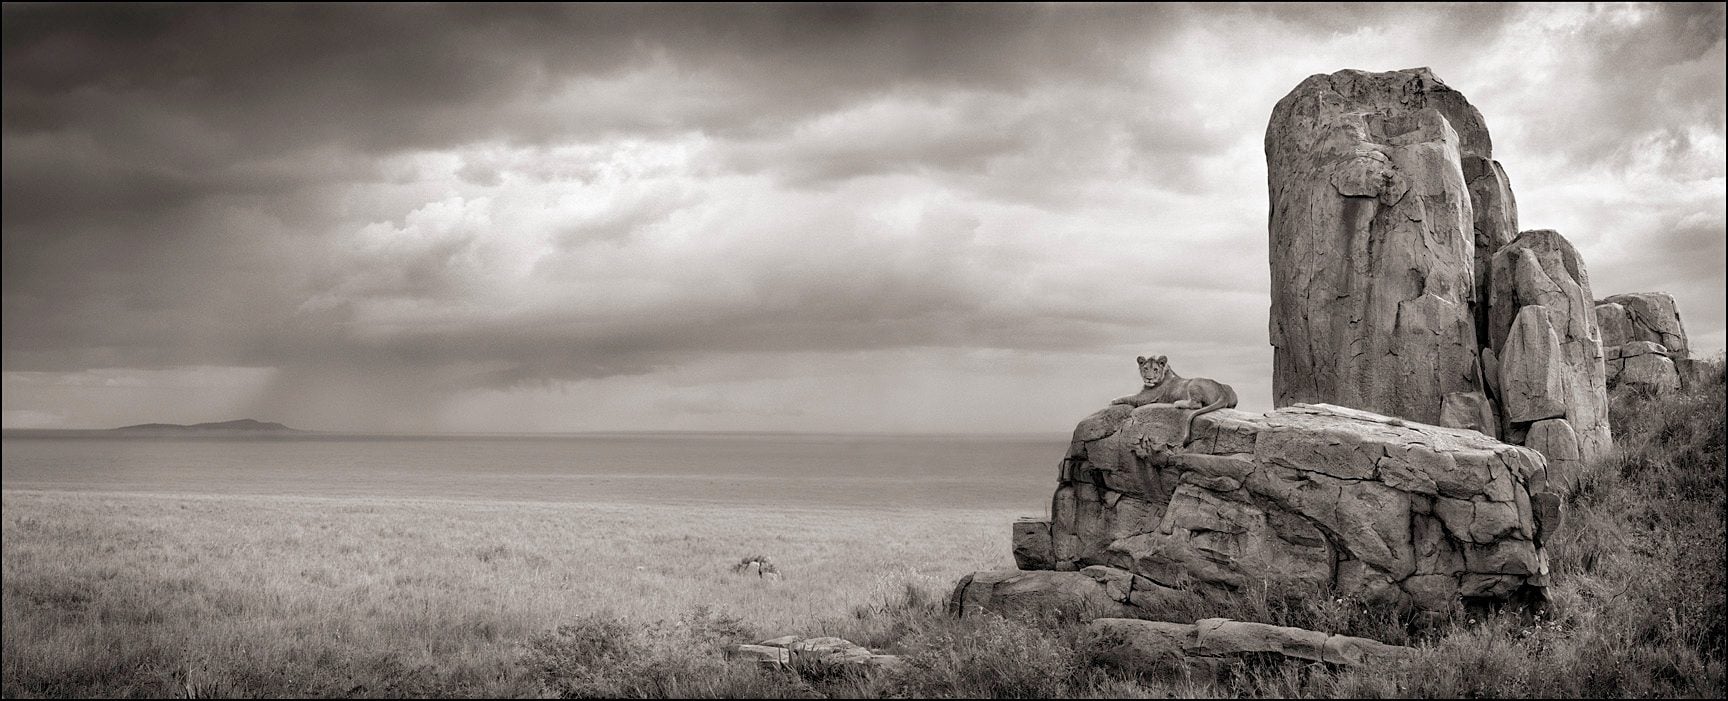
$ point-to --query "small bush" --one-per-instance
(601, 656)
(987, 656)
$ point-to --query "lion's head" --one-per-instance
(1153, 370)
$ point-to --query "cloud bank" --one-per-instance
(847, 218)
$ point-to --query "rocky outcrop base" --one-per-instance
(1304, 501)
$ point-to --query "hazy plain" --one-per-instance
(589, 588)
(351, 564)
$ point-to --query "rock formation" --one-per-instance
(1203, 649)
(1306, 500)
(1400, 283)
(1543, 336)
(1403, 296)
(789, 650)
(1644, 343)
(1373, 242)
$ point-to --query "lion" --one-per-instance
(1164, 386)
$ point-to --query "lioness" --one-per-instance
(1163, 386)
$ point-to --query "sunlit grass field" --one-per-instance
(121, 594)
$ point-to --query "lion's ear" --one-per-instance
(1163, 359)
(1141, 359)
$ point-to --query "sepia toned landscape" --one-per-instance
(114, 594)
(843, 350)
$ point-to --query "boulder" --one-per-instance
(1076, 595)
(1558, 442)
(1532, 381)
(791, 649)
(1031, 539)
(1615, 324)
(1296, 502)
(1372, 239)
(1206, 647)
(1651, 373)
(761, 654)
(1645, 348)
(1093, 591)
(1543, 329)
(1649, 316)
(1471, 410)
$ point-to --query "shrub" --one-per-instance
(987, 656)
(602, 656)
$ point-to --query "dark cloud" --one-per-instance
(392, 204)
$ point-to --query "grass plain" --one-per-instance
(181, 595)
(147, 595)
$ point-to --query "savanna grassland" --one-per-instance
(143, 595)
(148, 595)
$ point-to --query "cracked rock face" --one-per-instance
(1204, 647)
(1643, 342)
(1400, 283)
(1374, 236)
(1300, 501)
(1543, 329)
(1648, 316)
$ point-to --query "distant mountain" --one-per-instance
(236, 426)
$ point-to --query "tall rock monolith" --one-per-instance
(1400, 283)
(1373, 241)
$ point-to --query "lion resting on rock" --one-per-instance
(1164, 386)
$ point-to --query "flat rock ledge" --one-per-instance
(1207, 647)
(1304, 501)
(790, 650)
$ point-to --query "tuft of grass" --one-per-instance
(603, 656)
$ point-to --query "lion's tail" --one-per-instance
(1226, 401)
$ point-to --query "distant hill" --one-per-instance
(235, 426)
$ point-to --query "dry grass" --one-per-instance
(253, 596)
(134, 595)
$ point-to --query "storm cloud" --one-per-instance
(763, 217)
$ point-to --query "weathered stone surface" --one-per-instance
(1644, 343)
(1471, 410)
(1167, 648)
(1093, 591)
(1081, 596)
(1032, 548)
(763, 654)
(787, 650)
(1615, 324)
(1653, 373)
(1558, 442)
(1372, 242)
(1325, 498)
(1540, 269)
(1532, 380)
(1496, 224)
(1651, 316)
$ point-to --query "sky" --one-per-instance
(825, 218)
